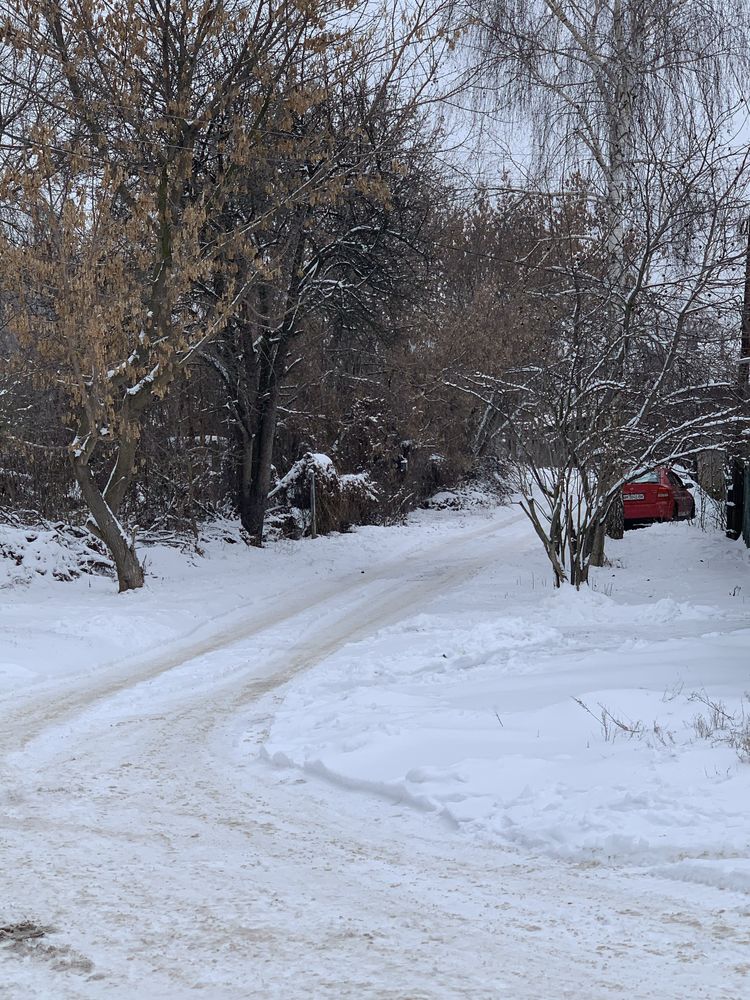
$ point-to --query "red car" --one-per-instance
(657, 496)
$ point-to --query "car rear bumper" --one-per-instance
(635, 510)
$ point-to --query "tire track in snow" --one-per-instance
(175, 868)
(24, 723)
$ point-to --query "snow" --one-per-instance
(478, 710)
(300, 470)
(374, 765)
(359, 482)
(53, 550)
(466, 497)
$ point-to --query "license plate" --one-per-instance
(634, 496)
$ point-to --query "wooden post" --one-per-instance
(313, 512)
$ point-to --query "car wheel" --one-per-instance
(675, 513)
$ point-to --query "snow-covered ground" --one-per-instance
(557, 721)
(391, 764)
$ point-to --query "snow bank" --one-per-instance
(50, 631)
(469, 496)
(562, 722)
(558, 721)
(56, 551)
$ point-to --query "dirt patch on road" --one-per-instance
(26, 940)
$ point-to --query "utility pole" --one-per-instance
(737, 474)
(743, 375)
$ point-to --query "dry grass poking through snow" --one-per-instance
(717, 725)
(721, 726)
(613, 726)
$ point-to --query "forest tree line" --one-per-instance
(236, 234)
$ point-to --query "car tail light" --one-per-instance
(662, 495)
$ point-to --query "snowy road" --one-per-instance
(142, 825)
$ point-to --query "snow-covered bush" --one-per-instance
(56, 550)
(340, 500)
(359, 499)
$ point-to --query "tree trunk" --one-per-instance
(597, 546)
(579, 574)
(254, 496)
(581, 545)
(109, 529)
(122, 472)
(121, 476)
(615, 524)
(244, 439)
(736, 499)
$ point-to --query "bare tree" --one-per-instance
(582, 419)
(638, 100)
(145, 117)
(332, 224)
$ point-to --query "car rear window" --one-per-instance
(646, 477)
